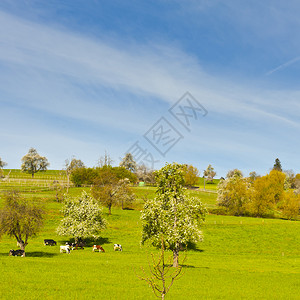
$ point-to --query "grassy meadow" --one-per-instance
(240, 258)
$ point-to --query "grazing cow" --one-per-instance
(49, 242)
(117, 247)
(99, 248)
(65, 248)
(16, 253)
(77, 245)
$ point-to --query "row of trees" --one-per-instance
(260, 195)
(33, 162)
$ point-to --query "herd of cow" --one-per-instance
(66, 248)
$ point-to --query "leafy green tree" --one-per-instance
(209, 174)
(32, 162)
(291, 205)
(123, 173)
(83, 218)
(128, 162)
(83, 176)
(233, 194)
(172, 215)
(191, 175)
(267, 192)
(109, 190)
(277, 165)
(20, 219)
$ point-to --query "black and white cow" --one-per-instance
(48, 242)
(117, 247)
(65, 248)
(16, 252)
(75, 246)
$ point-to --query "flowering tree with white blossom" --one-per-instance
(171, 214)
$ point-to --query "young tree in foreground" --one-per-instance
(161, 278)
(20, 219)
(171, 214)
(82, 218)
(32, 162)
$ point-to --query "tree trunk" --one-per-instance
(32, 175)
(175, 257)
(22, 246)
(68, 182)
(109, 209)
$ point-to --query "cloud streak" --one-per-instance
(283, 66)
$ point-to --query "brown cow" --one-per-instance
(98, 247)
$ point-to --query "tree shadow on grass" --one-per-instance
(99, 241)
(40, 254)
(89, 242)
(193, 247)
(183, 266)
(34, 254)
(188, 266)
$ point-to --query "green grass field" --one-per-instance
(240, 258)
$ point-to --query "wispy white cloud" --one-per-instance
(69, 75)
(57, 62)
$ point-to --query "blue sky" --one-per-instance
(78, 78)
